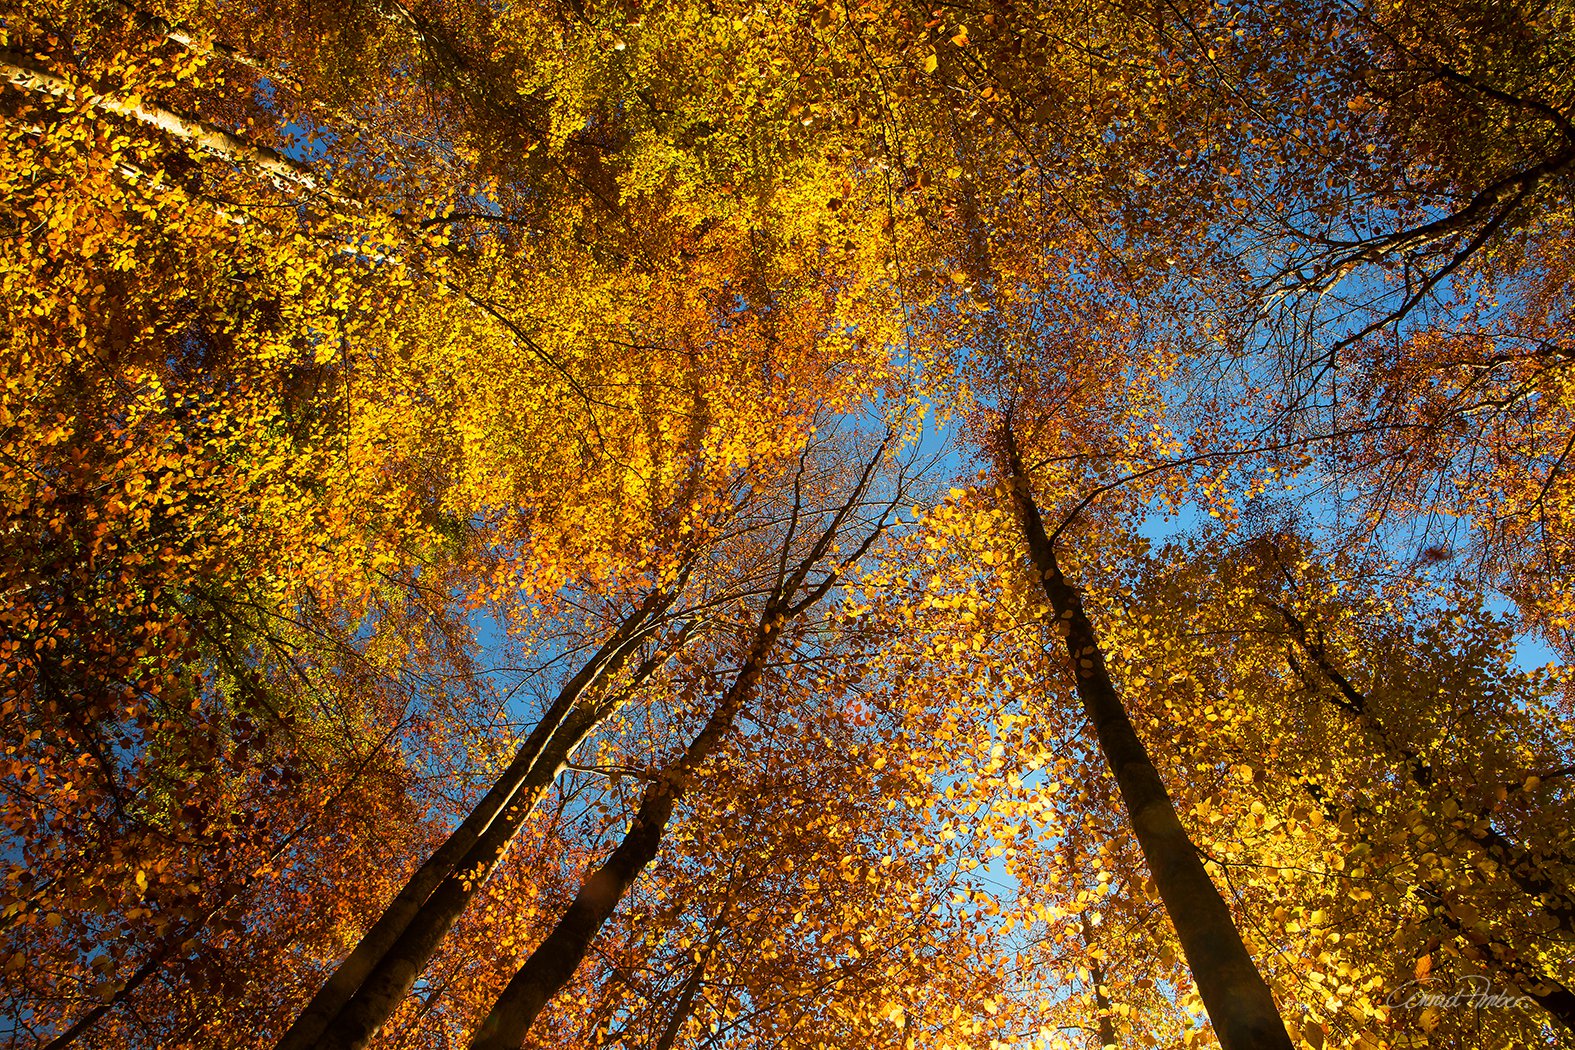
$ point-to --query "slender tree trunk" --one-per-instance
(1545, 991)
(1238, 1000)
(557, 957)
(172, 946)
(1096, 973)
(177, 35)
(1107, 1028)
(395, 973)
(163, 954)
(1549, 994)
(684, 1007)
(414, 923)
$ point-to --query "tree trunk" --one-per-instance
(1545, 991)
(1238, 1000)
(1096, 973)
(557, 957)
(20, 71)
(414, 923)
(684, 1007)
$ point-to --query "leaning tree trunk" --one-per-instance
(1238, 1000)
(684, 1007)
(554, 961)
(557, 957)
(22, 71)
(412, 925)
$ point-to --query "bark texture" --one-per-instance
(1096, 974)
(21, 72)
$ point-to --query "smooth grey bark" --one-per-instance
(554, 961)
(1238, 1000)
(399, 943)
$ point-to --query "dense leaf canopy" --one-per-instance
(830, 524)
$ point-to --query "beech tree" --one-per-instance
(586, 525)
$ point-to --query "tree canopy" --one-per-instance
(583, 524)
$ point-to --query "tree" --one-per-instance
(1239, 1001)
(413, 411)
(788, 597)
(1361, 825)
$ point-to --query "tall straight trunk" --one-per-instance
(554, 961)
(1238, 1000)
(393, 975)
(511, 798)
